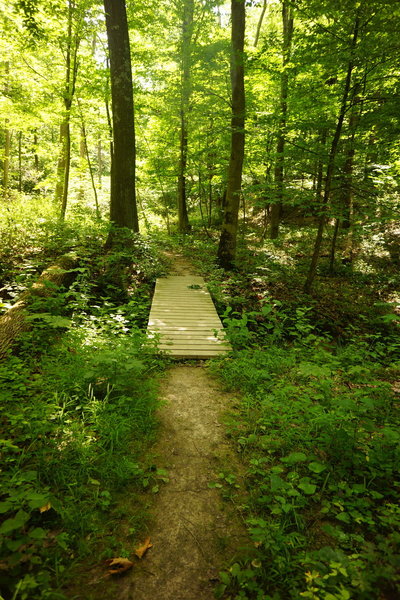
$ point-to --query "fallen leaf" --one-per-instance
(118, 566)
(45, 508)
(143, 549)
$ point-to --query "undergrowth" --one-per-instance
(78, 397)
(317, 430)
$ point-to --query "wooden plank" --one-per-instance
(184, 319)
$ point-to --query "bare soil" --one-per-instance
(193, 531)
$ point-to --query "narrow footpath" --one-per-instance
(194, 532)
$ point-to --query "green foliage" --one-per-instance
(318, 433)
(77, 409)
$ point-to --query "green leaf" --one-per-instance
(294, 457)
(317, 467)
(343, 516)
(15, 523)
(308, 488)
(277, 483)
(36, 500)
(5, 507)
(224, 577)
(37, 534)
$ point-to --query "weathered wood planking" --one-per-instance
(184, 316)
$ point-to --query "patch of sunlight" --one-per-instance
(364, 267)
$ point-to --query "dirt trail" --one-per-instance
(193, 531)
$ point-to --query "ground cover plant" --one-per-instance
(78, 397)
(317, 430)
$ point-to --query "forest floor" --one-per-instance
(193, 531)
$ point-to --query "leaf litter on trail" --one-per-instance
(117, 566)
(140, 552)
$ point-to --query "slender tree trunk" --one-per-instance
(20, 161)
(260, 22)
(82, 161)
(320, 167)
(35, 149)
(7, 142)
(85, 153)
(347, 183)
(67, 146)
(333, 245)
(228, 238)
(123, 208)
(58, 194)
(187, 33)
(347, 196)
(276, 208)
(99, 162)
(71, 72)
(6, 161)
(331, 162)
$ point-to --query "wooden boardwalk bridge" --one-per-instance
(184, 316)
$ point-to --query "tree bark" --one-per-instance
(331, 161)
(187, 33)
(276, 207)
(58, 194)
(123, 208)
(228, 238)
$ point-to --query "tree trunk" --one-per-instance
(67, 167)
(228, 238)
(99, 162)
(123, 209)
(85, 153)
(276, 207)
(35, 147)
(6, 161)
(20, 161)
(58, 194)
(331, 161)
(7, 142)
(187, 32)
(260, 21)
(82, 161)
(71, 72)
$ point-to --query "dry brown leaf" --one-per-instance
(45, 508)
(118, 566)
(143, 548)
